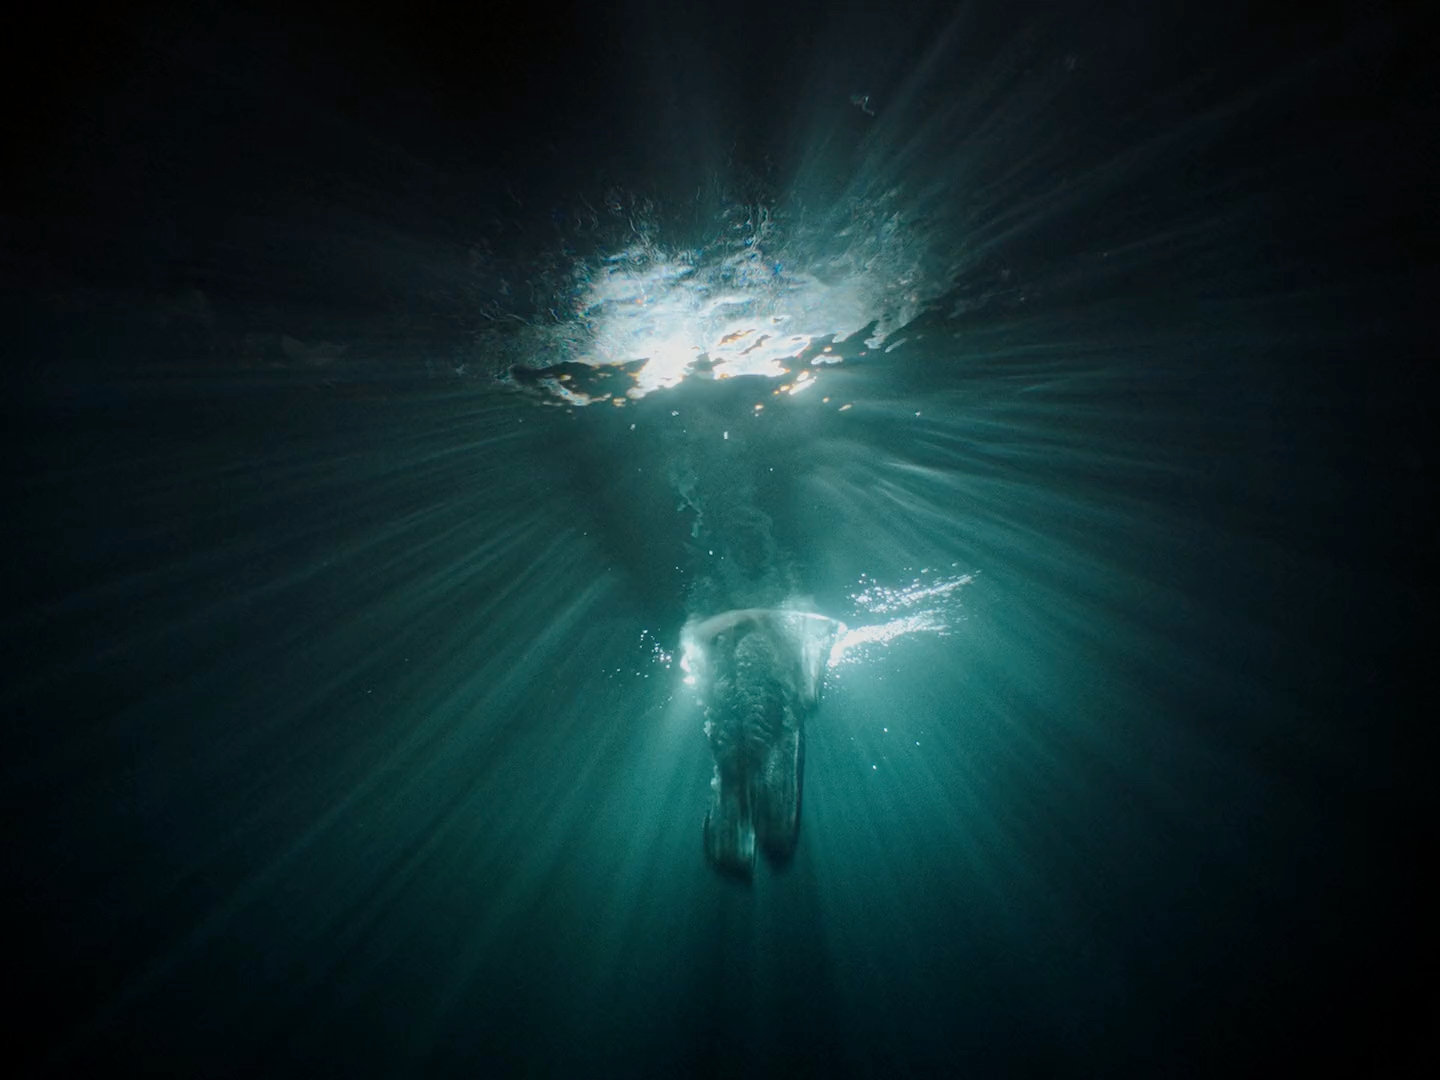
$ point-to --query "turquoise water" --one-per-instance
(378, 757)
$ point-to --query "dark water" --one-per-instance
(344, 729)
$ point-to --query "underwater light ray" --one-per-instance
(380, 790)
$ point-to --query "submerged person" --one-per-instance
(758, 672)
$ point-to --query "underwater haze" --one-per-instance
(766, 541)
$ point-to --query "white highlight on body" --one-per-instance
(928, 604)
